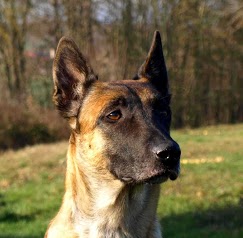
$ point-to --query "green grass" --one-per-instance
(206, 200)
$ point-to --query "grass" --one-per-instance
(206, 201)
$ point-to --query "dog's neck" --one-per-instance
(99, 205)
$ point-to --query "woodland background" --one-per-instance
(202, 41)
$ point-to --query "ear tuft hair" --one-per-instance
(154, 68)
(72, 76)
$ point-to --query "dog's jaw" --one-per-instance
(156, 178)
(109, 203)
(156, 175)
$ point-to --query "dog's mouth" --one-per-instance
(162, 177)
(157, 177)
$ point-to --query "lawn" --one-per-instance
(206, 200)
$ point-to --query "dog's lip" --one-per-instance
(173, 175)
(127, 179)
(164, 175)
(156, 178)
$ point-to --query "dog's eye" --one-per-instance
(163, 113)
(114, 116)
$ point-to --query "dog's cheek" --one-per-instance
(93, 148)
(123, 159)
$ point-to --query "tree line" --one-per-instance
(202, 41)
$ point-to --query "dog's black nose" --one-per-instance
(168, 154)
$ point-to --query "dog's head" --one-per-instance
(121, 127)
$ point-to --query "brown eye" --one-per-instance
(164, 113)
(114, 116)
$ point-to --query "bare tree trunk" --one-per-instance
(80, 23)
(7, 67)
(58, 28)
(87, 17)
(14, 29)
(128, 36)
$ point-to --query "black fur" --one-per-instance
(72, 77)
(139, 146)
(132, 140)
(154, 67)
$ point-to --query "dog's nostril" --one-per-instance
(169, 153)
(165, 154)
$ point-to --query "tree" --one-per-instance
(13, 30)
(80, 23)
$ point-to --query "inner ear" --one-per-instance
(72, 75)
(154, 67)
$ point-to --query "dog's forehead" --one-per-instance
(143, 89)
(102, 94)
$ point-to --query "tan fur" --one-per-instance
(97, 205)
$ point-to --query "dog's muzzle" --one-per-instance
(169, 162)
(166, 166)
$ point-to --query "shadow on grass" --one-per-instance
(11, 218)
(14, 217)
(212, 223)
(7, 216)
(217, 222)
(10, 236)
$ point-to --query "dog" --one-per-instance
(120, 148)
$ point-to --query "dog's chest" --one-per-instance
(99, 231)
(113, 221)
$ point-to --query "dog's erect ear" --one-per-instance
(72, 76)
(154, 68)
